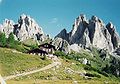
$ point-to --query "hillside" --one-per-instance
(14, 62)
(89, 53)
(73, 69)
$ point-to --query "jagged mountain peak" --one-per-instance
(23, 16)
(7, 22)
(94, 18)
(25, 28)
(26, 18)
(29, 28)
(81, 17)
(7, 26)
(63, 33)
(92, 32)
(110, 25)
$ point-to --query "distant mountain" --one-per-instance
(84, 34)
(90, 43)
(26, 28)
(93, 32)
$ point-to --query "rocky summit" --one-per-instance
(84, 34)
(92, 32)
(26, 28)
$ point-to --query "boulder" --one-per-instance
(61, 45)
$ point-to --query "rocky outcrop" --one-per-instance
(1, 28)
(61, 44)
(7, 27)
(79, 31)
(63, 34)
(64, 46)
(91, 32)
(117, 51)
(114, 35)
(26, 28)
(99, 35)
(74, 47)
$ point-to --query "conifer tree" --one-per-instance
(2, 39)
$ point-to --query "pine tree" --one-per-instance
(11, 39)
(2, 40)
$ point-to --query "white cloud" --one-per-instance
(54, 20)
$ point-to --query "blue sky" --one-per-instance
(54, 15)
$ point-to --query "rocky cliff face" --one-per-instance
(61, 44)
(91, 32)
(25, 28)
(7, 27)
(114, 35)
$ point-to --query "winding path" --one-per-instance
(2, 81)
(55, 63)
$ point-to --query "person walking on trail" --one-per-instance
(2, 81)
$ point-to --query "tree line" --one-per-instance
(8, 42)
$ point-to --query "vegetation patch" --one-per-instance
(14, 62)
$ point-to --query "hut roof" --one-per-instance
(47, 45)
(37, 51)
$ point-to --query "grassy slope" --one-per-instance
(59, 75)
(58, 82)
(12, 62)
(30, 42)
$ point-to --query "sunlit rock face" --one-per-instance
(99, 35)
(1, 28)
(114, 35)
(7, 27)
(92, 32)
(25, 28)
(61, 45)
(63, 34)
(28, 28)
(79, 33)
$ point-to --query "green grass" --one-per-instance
(60, 82)
(30, 42)
(56, 75)
(93, 57)
(60, 75)
(40, 82)
(12, 62)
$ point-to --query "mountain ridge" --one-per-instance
(92, 32)
(25, 28)
(87, 52)
(85, 33)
